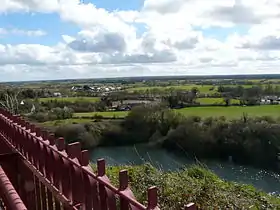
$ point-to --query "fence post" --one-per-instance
(123, 181)
(102, 191)
(90, 184)
(153, 198)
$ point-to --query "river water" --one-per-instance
(162, 159)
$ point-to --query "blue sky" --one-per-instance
(55, 27)
(52, 24)
(100, 38)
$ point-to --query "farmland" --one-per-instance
(70, 99)
(206, 89)
(207, 101)
(231, 112)
(65, 122)
(114, 114)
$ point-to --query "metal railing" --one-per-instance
(8, 195)
(56, 175)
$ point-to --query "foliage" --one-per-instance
(195, 184)
(10, 103)
(90, 134)
(53, 114)
(247, 140)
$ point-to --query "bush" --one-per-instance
(253, 141)
(195, 184)
(77, 132)
(53, 114)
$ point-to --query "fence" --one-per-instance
(58, 176)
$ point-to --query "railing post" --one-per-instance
(102, 191)
(90, 184)
(153, 198)
(123, 181)
(74, 153)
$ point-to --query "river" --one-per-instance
(161, 158)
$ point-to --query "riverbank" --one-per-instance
(194, 184)
(248, 141)
(167, 161)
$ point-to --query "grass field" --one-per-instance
(71, 99)
(215, 101)
(231, 112)
(64, 122)
(201, 88)
(104, 114)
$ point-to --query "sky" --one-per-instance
(57, 39)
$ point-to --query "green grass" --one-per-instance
(194, 184)
(64, 122)
(104, 114)
(215, 101)
(201, 88)
(232, 111)
(71, 99)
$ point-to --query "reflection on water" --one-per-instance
(160, 158)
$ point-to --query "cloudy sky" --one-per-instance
(53, 39)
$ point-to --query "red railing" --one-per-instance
(59, 176)
(8, 195)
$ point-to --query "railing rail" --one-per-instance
(8, 195)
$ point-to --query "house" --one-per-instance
(270, 100)
(57, 94)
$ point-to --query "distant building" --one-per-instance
(57, 94)
(270, 100)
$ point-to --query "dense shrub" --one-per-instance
(195, 184)
(54, 114)
(254, 141)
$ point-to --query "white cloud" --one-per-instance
(21, 32)
(171, 41)
(29, 5)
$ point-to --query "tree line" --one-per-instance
(253, 141)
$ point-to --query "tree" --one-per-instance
(227, 101)
(11, 103)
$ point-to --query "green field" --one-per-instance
(64, 122)
(104, 114)
(70, 99)
(230, 112)
(215, 101)
(201, 88)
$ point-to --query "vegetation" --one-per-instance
(71, 99)
(253, 141)
(211, 118)
(195, 184)
(56, 123)
(215, 101)
(232, 112)
(113, 114)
